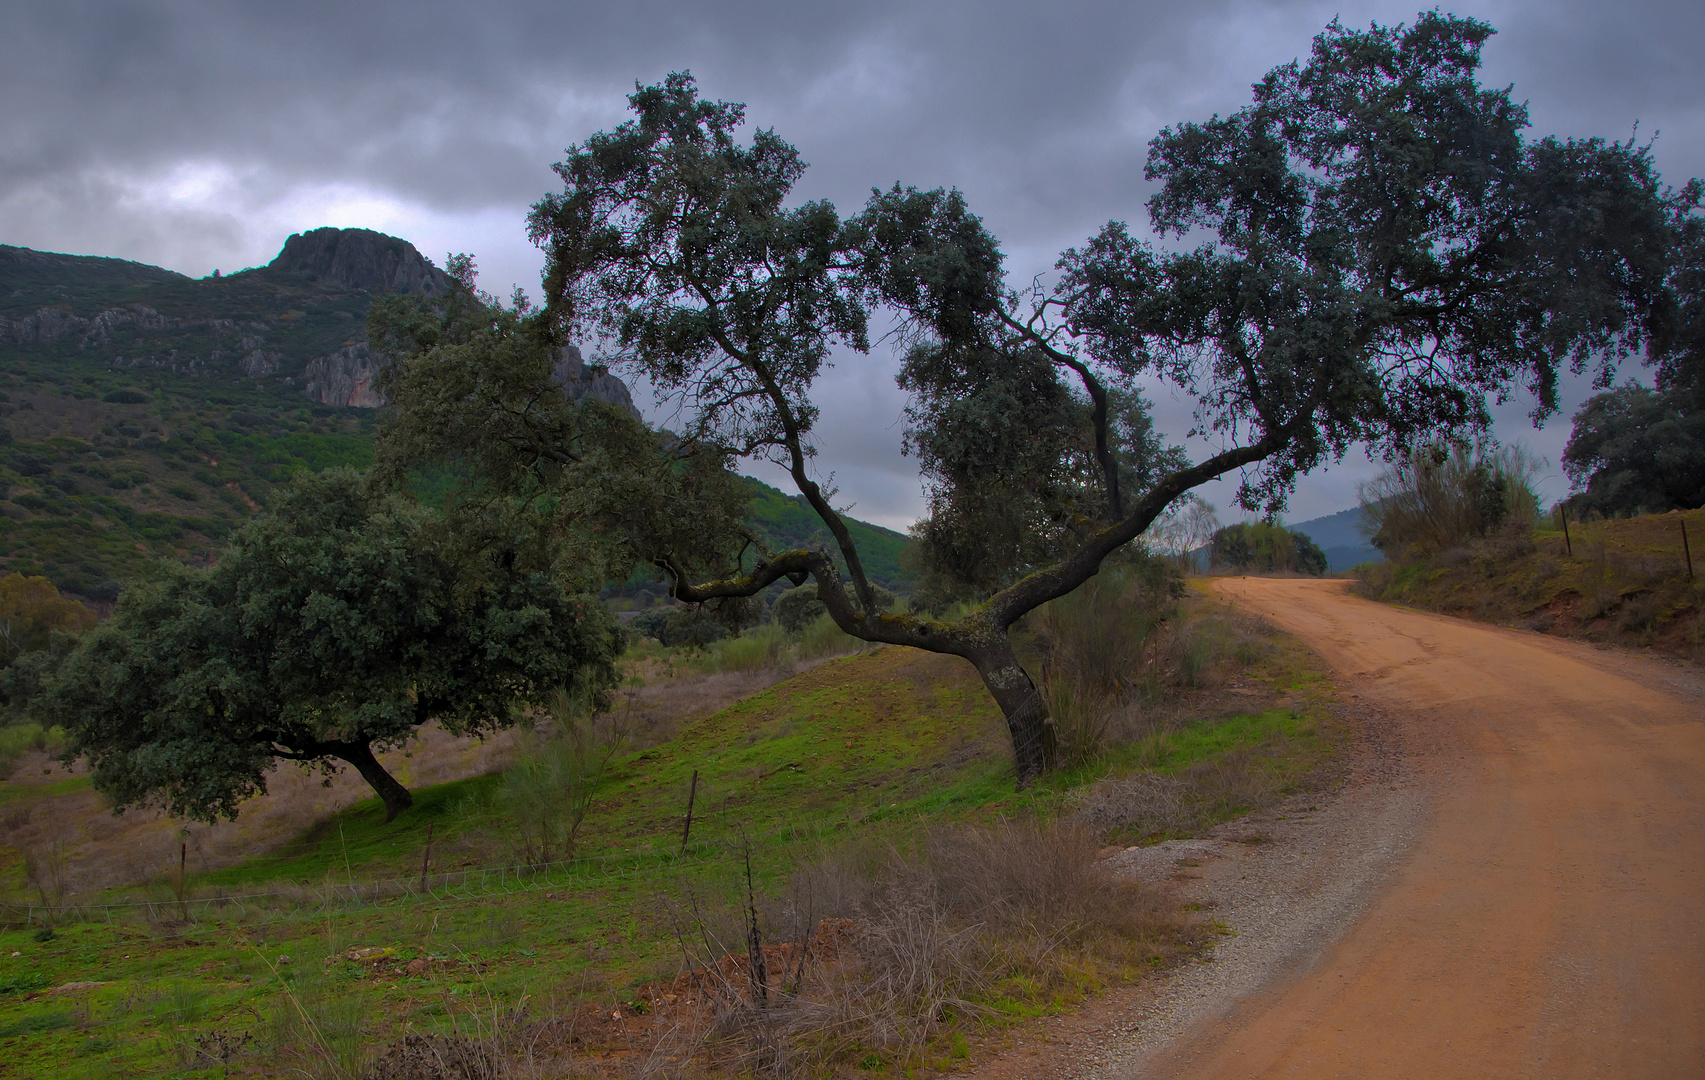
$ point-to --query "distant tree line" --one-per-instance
(1266, 547)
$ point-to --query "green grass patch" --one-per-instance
(868, 748)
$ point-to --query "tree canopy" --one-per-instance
(336, 625)
(1635, 450)
(1376, 250)
(38, 627)
(1642, 450)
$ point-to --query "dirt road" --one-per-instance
(1549, 920)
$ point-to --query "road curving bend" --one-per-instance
(1549, 918)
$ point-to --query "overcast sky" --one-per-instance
(199, 135)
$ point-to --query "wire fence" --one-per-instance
(313, 901)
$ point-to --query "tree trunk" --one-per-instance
(360, 754)
(1034, 739)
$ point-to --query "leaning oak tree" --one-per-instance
(1377, 250)
(337, 625)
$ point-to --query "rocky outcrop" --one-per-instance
(361, 259)
(49, 324)
(582, 380)
(258, 363)
(345, 378)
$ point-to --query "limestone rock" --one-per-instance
(49, 324)
(345, 378)
(361, 259)
(581, 380)
(258, 364)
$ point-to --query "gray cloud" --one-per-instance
(197, 135)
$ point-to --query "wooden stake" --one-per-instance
(1563, 512)
(1686, 550)
(687, 826)
(426, 859)
(183, 863)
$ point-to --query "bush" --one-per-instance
(1095, 648)
(650, 623)
(1438, 498)
(692, 628)
(1265, 547)
(546, 795)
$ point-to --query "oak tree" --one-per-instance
(336, 625)
(1364, 254)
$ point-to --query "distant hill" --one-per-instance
(787, 521)
(144, 413)
(1340, 536)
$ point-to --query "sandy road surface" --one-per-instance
(1549, 919)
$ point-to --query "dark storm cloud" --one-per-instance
(198, 134)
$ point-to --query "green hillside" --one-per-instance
(129, 428)
(787, 521)
(144, 414)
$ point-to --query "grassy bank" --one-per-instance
(1620, 581)
(853, 789)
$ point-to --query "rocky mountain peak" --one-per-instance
(581, 380)
(361, 259)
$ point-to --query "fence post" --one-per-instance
(1686, 550)
(1563, 515)
(426, 860)
(687, 828)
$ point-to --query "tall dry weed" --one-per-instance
(926, 937)
(1100, 645)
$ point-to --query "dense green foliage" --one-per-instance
(339, 623)
(1636, 450)
(38, 627)
(1266, 547)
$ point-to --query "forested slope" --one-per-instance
(144, 413)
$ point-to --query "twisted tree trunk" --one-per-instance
(1035, 738)
(360, 754)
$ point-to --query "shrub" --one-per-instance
(1438, 498)
(692, 627)
(546, 795)
(1095, 645)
